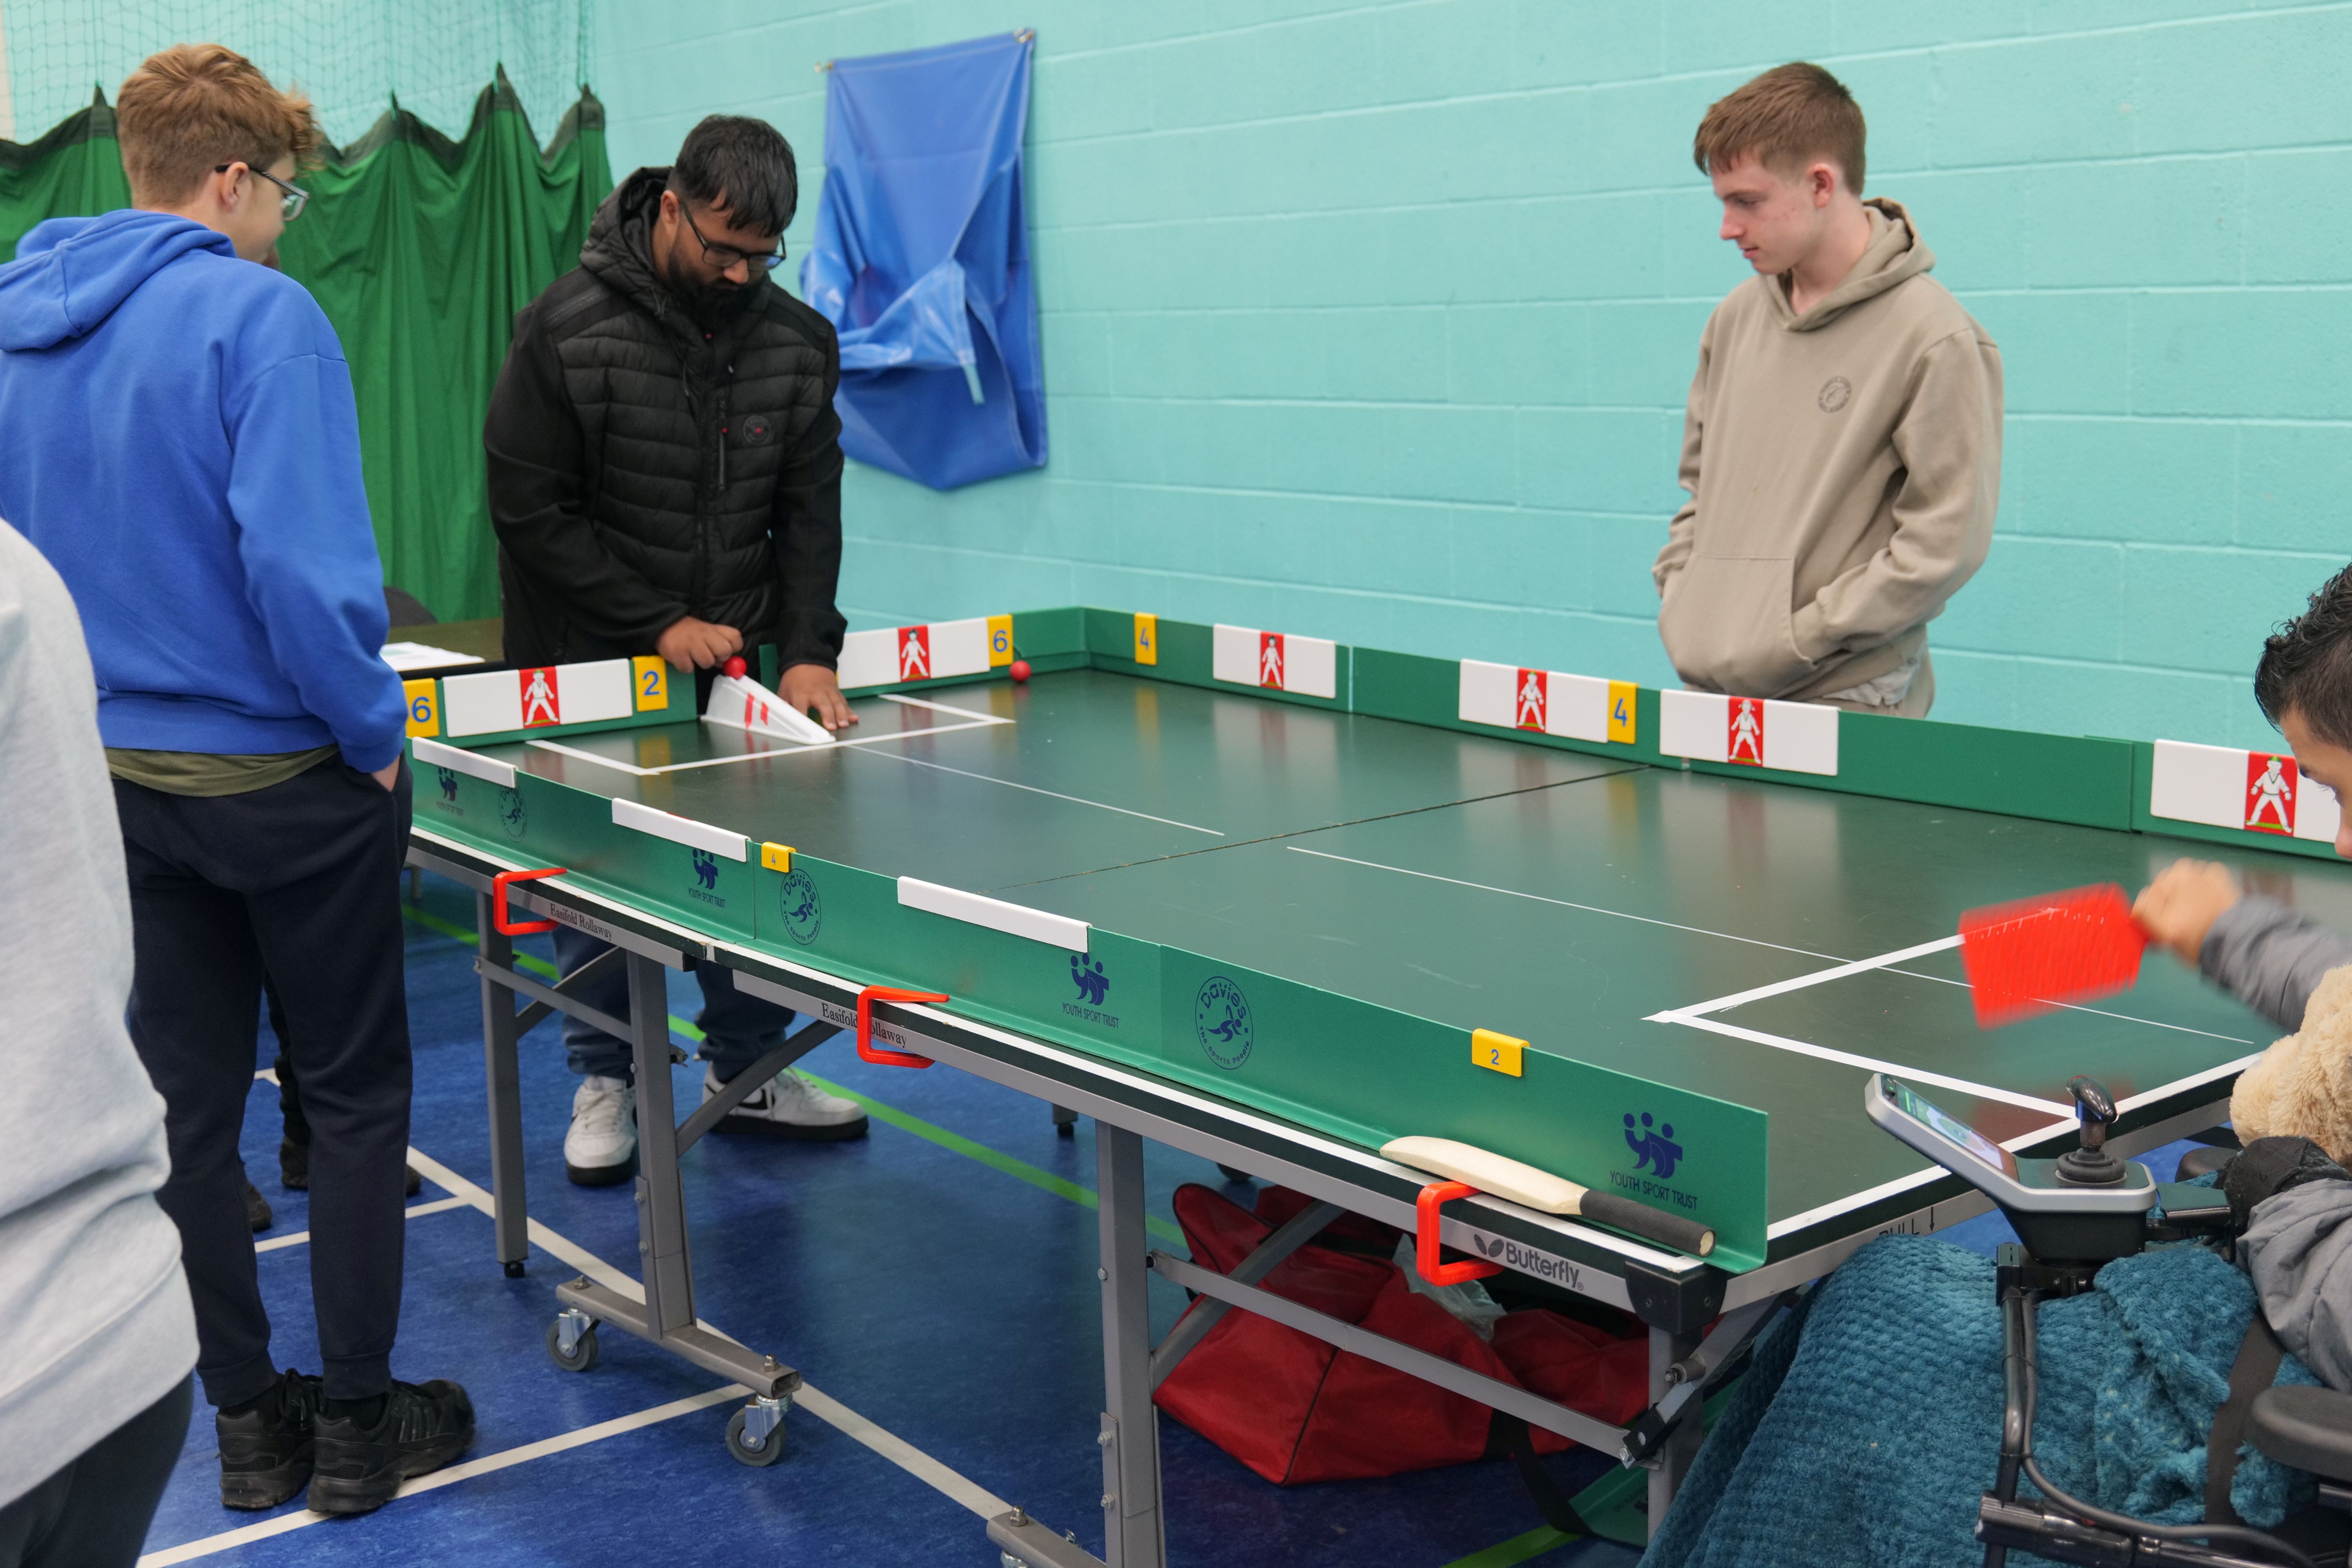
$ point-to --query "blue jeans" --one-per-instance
(737, 1029)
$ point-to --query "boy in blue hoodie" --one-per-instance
(178, 438)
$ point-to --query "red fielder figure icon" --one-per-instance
(1269, 660)
(1746, 732)
(539, 703)
(914, 653)
(2270, 789)
(1533, 694)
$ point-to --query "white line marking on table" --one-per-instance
(1869, 1064)
(901, 697)
(417, 1211)
(1033, 789)
(1782, 987)
(1564, 903)
(615, 763)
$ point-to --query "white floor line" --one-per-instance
(1562, 903)
(969, 1493)
(416, 1211)
(951, 1483)
(1870, 1064)
(465, 1471)
(782, 751)
(1033, 789)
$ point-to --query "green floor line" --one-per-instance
(954, 1142)
(1518, 1549)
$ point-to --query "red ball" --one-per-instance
(734, 667)
(1020, 670)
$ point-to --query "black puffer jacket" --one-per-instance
(642, 469)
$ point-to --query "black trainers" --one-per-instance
(256, 1208)
(357, 1468)
(294, 1169)
(266, 1452)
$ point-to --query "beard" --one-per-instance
(706, 305)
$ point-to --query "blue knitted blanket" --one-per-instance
(1870, 1420)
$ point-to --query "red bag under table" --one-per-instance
(1294, 1408)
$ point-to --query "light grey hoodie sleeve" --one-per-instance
(2299, 1251)
(99, 1321)
(2270, 958)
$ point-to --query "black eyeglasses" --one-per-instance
(291, 204)
(723, 257)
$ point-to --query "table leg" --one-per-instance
(502, 1079)
(1674, 1459)
(1134, 1534)
(661, 1199)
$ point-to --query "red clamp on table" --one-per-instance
(866, 1050)
(499, 885)
(1424, 1241)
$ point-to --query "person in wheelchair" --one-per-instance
(2195, 1405)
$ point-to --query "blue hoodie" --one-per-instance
(177, 436)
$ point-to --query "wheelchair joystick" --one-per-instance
(2091, 1165)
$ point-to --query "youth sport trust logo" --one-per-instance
(1656, 1154)
(803, 911)
(513, 816)
(1221, 1018)
(1094, 986)
(706, 876)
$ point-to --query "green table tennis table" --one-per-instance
(1263, 920)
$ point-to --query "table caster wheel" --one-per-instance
(572, 1341)
(1234, 1175)
(514, 1270)
(748, 1443)
(1065, 1122)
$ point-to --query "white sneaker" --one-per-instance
(601, 1150)
(789, 1106)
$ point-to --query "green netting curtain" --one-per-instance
(420, 249)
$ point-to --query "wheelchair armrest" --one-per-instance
(2197, 1161)
(2308, 1429)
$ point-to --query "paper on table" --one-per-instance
(407, 656)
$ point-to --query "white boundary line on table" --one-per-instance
(783, 751)
(931, 1472)
(1056, 794)
(1696, 1015)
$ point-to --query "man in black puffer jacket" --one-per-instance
(665, 476)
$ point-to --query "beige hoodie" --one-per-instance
(1842, 467)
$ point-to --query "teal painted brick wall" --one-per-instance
(1374, 321)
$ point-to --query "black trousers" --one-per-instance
(300, 880)
(94, 1512)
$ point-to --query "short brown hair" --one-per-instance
(194, 106)
(1787, 118)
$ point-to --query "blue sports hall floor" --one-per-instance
(934, 1282)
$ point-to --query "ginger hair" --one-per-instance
(193, 107)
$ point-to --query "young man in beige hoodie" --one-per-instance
(1842, 446)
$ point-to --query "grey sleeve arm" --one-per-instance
(2299, 1251)
(2270, 958)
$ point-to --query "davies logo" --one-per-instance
(803, 911)
(1221, 1018)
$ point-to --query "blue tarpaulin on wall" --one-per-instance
(921, 262)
